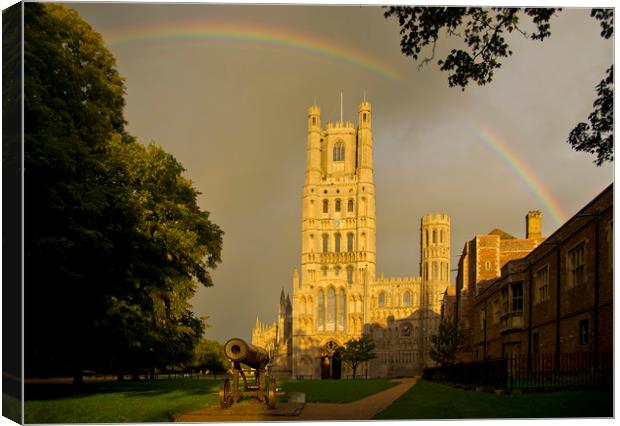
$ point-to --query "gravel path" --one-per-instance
(363, 409)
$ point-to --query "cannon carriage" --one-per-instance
(239, 351)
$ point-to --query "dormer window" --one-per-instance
(339, 151)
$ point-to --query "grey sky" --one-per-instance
(234, 114)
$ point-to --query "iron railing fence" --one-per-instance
(522, 371)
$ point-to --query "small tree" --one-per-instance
(446, 344)
(356, 351)
(209, 356)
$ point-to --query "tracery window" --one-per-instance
(325, 206)
(337, 205)
(325, 243)
(349, 242)
(350, 206)
(407, 299)
(339, 151)
(381, 301)
(337, 241)
(331, 310)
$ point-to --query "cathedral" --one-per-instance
(336, 294)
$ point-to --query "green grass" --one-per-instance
(336, 390)
(107, 402)
(11, 408)
(428, 400)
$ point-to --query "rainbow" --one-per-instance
(501, 149)
(252, 35)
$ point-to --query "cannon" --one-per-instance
(238, 351)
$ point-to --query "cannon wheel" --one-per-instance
(271, 394)
(225, 395)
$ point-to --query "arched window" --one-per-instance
(350, 206)
(331, 310)
(337, 205)
(350, 274)
(426, 235)
(426, 272)
(342, 310)
(337, 270)
(434, 236)
(325, 243)
(337, 241)
(364, 117)
(363, 242)
(349, 242)
(407, 299)
(325, 206)
(339, 151)
(381, 301)
(441, 236)
(320, 322)
(435, 271)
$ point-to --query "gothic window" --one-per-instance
(342, 309)
(435, 272)
(350, 206)
(337, 270)
(349, 242)
(325, 206)
(441, 236)
(337, 241)
(426, 272)
(358, 305)
(331, 310)
(325, 243)
(426, 236)
(407, 299)
(364, 117)
(381, 302)
(363, 242)
(434, 236)
(337, 205)
(349, 274)
(339, 151)
(324, 269)
(321, 315)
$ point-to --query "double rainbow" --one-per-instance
(251, 35)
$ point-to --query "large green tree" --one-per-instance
(485, 32)
(115, 242)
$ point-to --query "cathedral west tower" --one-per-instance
(338, 259)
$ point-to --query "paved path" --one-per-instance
(363, 409)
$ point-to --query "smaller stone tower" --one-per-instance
(435, 274)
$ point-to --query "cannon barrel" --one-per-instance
(237, 350)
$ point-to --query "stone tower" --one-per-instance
(338, 252)
(435, 273)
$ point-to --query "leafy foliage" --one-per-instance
(209, 356)
(115, 242)
(598, 137)
(446, 344)
(484, 32)
(356, 351)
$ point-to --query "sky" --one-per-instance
(225, 89)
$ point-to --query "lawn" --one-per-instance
(155, 401)
(116, 402)
(429, 400)
(336, 390)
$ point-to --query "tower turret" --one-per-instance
(364, 142)
(435, 252)
(313, 166)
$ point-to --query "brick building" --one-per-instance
(481, 263)
(556, 299)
